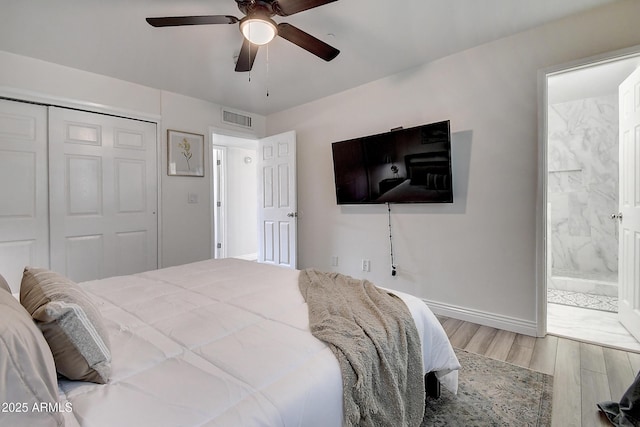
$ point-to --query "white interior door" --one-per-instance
(103, 195)
(277, 202)
(629, 230)
(24, 221)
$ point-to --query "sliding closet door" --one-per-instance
(24, 234)
(103, 195)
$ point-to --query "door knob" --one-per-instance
(292, 214)
(617, 216)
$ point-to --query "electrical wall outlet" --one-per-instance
(366, 265)
(334, 261)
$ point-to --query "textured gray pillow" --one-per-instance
(71, 324)
(28, 371)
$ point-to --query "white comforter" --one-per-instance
(222, 343)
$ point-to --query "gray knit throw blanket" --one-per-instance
(375, 339)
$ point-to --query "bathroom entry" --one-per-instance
(582, 194)
(234, 198)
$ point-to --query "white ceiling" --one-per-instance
(376, 39)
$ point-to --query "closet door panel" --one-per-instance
(18, 197)
(23, 189)
(83, 175)
(103, 194)
(84, 258)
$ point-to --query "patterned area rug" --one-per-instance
(492, 393)
(584, 300)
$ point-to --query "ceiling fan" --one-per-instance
(259, 29)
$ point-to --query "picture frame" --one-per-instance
(185, 153)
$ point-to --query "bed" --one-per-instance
(219, 343)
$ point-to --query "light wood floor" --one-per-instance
(583, 374)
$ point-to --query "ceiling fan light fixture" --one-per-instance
(258, 31)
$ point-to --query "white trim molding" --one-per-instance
(520, 326)
(58, 101)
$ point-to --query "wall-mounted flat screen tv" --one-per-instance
(402, 166)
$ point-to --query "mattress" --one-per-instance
(221, 343)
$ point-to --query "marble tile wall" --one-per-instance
(583, 188)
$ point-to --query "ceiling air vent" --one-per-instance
(236, 119)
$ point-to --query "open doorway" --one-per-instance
(234, 198)
(581, 201)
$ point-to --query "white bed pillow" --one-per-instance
(4, 285)
(71, 324)
(27, 370)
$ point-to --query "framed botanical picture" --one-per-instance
(186, 153)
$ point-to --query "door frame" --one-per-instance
(219, 194)
(222, 132)
(541, 205)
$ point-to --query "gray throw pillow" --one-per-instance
(71, 324)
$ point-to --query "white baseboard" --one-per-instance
(493, 320)
(248, 257)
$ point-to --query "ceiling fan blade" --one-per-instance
(307, 42)
(247, 56)
(289, 7)
(174, 21)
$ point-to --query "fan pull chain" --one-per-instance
(249, 53)
(393, 264)
(267, 82)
